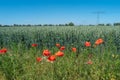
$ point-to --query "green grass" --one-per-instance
(22, 65)
(19, 63)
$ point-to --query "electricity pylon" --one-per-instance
(98, 16)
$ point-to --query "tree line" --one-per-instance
(67, 24)
(28, 25)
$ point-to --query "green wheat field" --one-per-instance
(20, 59)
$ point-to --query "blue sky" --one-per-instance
(58, 11)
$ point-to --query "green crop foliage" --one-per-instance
(87, 63)
(49, 36)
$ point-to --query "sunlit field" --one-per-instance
(60, 53)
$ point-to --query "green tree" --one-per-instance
(108, 24)
(117, 24)
(0, 25)
(71, 24)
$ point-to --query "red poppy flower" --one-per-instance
(59, 54)
(99, 41)
(38, 59)
(58, 45)
(46, 52)
(89, 62)
(87, 44)
(74, 49)
(52, 58)
(62, 48)
(34, 45)
(3, 51)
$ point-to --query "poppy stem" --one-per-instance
(53, 71)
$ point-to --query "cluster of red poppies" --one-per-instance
(60, 53)
(51, 57)
(88, 44)
(97, 42)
